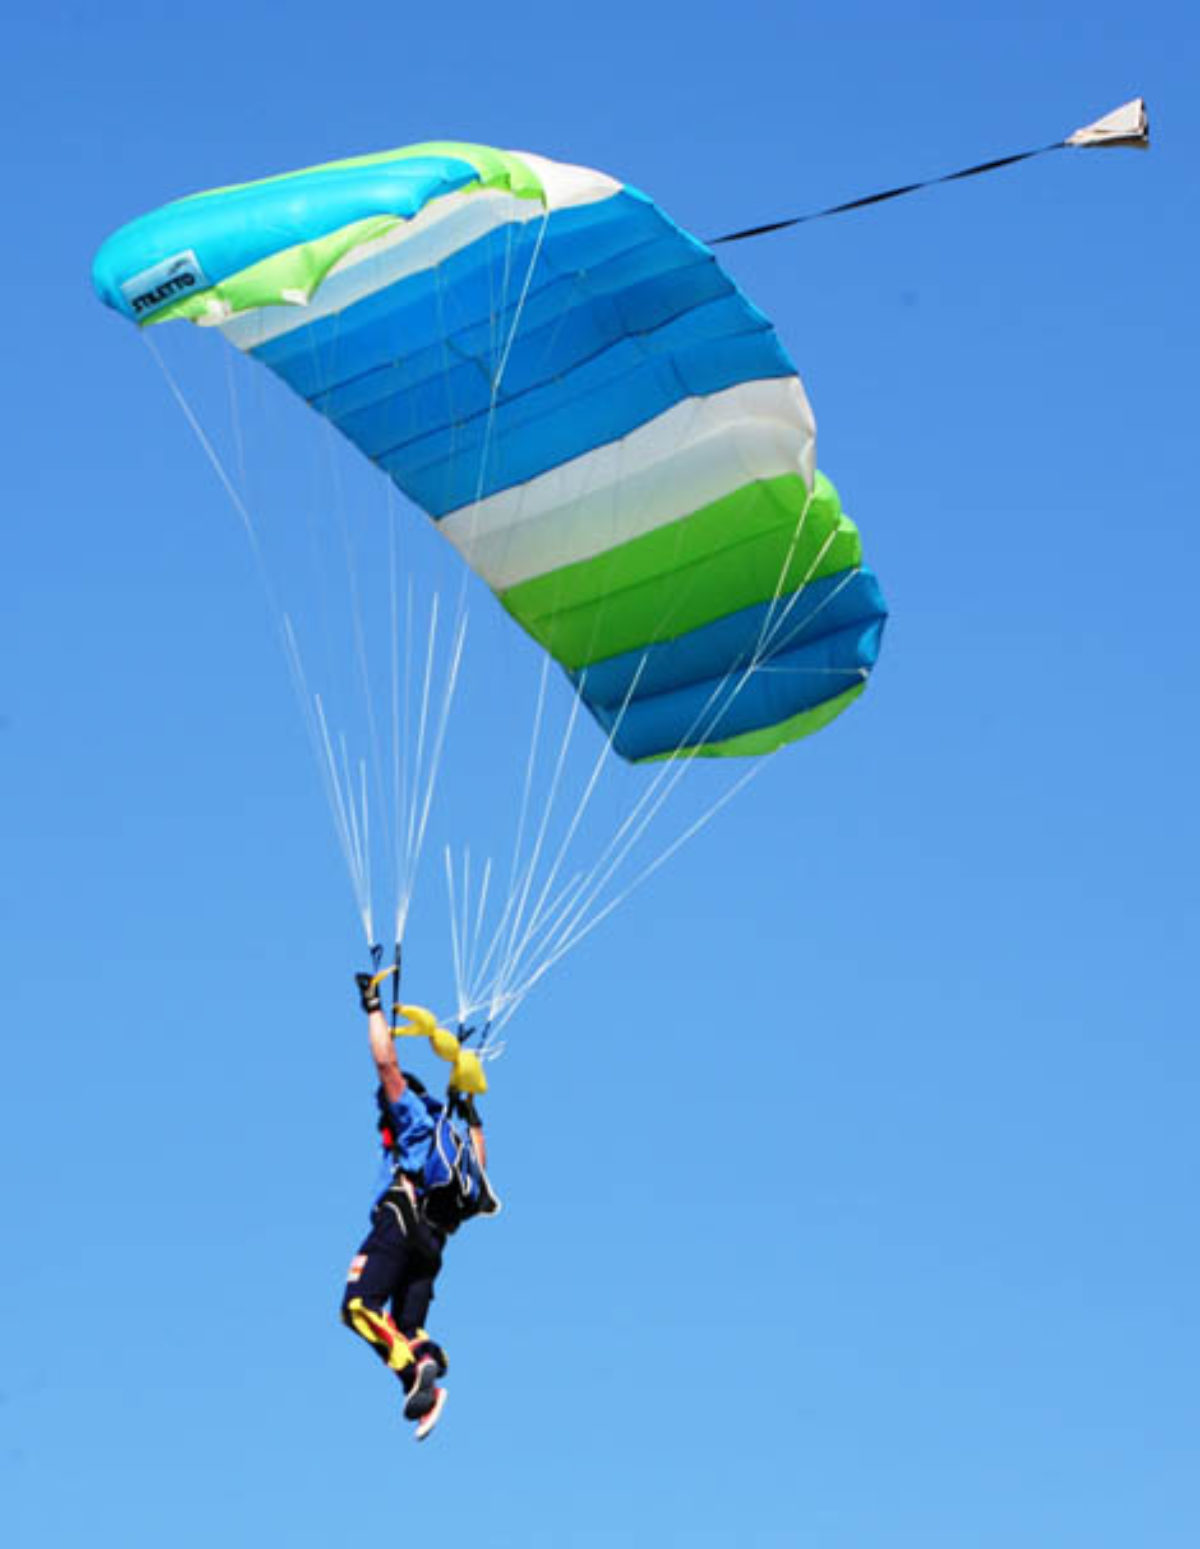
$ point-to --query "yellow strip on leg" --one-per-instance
(380, 1333)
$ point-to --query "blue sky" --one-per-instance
(849, 1168)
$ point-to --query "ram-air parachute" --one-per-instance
(618, 444)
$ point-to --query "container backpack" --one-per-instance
(455, 1185)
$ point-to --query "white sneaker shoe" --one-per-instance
(420, 1398)
(429, 1420)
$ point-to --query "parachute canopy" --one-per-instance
(579, 397)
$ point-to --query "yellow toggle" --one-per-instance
(419, 1021)
(445, 1045)
(384, 973)
(467, 1075)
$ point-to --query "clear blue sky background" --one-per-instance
(851, 1169)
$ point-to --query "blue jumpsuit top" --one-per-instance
(412, 1123)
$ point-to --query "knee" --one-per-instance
(372, 1324)
(359, 1312)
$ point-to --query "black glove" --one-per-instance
(471, 1113)
(368, 992)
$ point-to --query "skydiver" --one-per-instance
(419, 1202)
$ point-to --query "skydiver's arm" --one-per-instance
(383, 1045)
(475, 1126)
(383, 1052)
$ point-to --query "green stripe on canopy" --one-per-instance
(749, 546)
(751, 744)
(496, 169)
(298, 269)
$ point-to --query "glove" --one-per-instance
(368, 992)
(471, 1113)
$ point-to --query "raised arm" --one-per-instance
(475, 1125)
(379, 1035)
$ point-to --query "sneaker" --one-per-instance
(422, 1393)
(431, 1419)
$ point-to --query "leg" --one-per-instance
(425, 1349)
(425, 1399)
(379, 1273)
(411, 1303)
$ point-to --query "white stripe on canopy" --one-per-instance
(694, 453)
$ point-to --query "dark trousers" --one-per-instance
(390, 1284)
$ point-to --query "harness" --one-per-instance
(453, 1185)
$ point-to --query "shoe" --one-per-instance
(431, 1419)
(422, 1393)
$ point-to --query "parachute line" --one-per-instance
(360, 644)
(311, 708)
(515, 946)
(581, 807)
(397, 785)
(587, 907)
(518, 995)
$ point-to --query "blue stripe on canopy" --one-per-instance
(631, 317)
(790, 680)
(599, 402)
(480, 285)
(560, 326)
(729, 644)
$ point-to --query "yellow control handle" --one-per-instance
(467, 1075)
